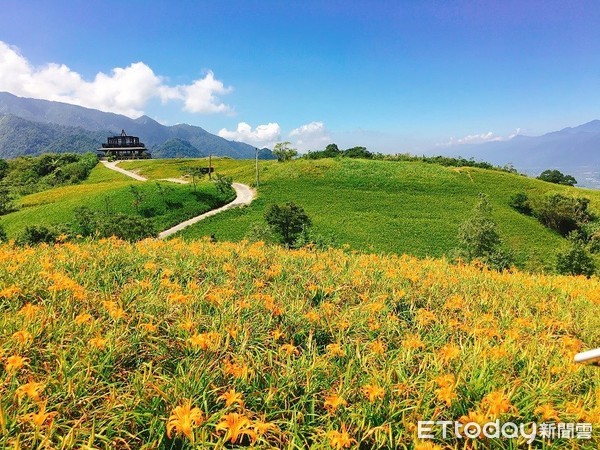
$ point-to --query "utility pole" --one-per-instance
(210, 166)
(256, 163)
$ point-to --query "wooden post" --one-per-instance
(210, 166)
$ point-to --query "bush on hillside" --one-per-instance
(3, 236)
(3, 168)
(6, 201)
(224, 184)
(38, 234)
(287, 221)
(576, 260)
(564, 214)
(479, 239)
(125, 227)
(87, 222)
(308, 238)
(520, 202)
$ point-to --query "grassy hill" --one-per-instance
(382, 206)
(108, 190)
(163, 345)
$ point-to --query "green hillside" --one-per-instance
(107, 190)
(382, 206)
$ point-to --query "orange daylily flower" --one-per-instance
(183, 419)
(231, 398)
(235, 426)
(340, 439)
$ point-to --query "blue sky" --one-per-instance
(393, 76)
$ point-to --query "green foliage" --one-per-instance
(358, 152)
(521, 203)
(563, 214)
(479, 238)
(3, 169)
(224, 184)
(29, 174)
(138, 197)
(332, 151)
(283, 152)
(576, 260)
(6, 201)
(309, 238)
(557, 177)
(3, 236)
(196, 173)
(33, 235)
(88, 222)
(478, 235)
(126, 227)
(260, 232)
(287, 221)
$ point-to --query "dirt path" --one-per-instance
(113, 166)
(244, 196)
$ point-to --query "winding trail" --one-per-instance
(244, 196)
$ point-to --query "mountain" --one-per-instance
(23, 137)
(53, 124)
(575, 150)
(176, 148)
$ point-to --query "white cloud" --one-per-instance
(124, 91)
(478, 139)
(312, 136)
(262, 136)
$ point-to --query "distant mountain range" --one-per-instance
(30, 126)
(575, 150)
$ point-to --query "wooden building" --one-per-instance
(124, 147)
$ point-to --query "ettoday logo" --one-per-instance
(508, 430)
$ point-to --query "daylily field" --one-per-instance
(161, 345)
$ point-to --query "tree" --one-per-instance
(287, 221)
(557, 177)
(197, 173)
(284, 152)
(576, 260)
(479, 238)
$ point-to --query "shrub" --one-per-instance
(308, 238)
(576, 260)
(84, 221)
(128, 228)
(33, 235)
(260, 233)
(564, 214)
(6, 204)
(3, 236)
(224, 184)
(520, 202)
(287, 221)
(3, 168)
